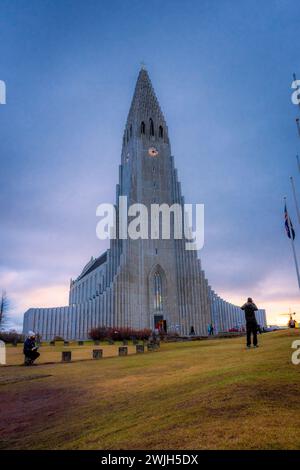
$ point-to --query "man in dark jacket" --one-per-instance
(251, 324)
(30, 349)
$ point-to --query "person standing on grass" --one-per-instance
(30, 349)
(251, 324)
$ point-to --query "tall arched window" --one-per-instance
(143, 128)
(151, 127)
(130, 130)
(158, 292)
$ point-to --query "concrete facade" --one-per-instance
(226, 315)
(137, 282)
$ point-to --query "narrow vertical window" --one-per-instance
(161, 132)
(151, 127)
(157, 292)
(131, 131)
(143, 128)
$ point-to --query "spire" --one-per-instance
(144, 103)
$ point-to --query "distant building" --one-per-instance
(141, 283)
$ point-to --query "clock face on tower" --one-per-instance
(153, 152)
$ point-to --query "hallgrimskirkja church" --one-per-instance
(139, 283)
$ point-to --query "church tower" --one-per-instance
(162, 281)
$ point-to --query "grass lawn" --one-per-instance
(196, 395)
(53, 353)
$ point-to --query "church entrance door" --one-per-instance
(160, 323)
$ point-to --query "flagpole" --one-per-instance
(297, 156)
(293, 246)
(295, 198)
(298, 126)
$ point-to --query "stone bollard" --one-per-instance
(152, 347)
(66, 356)
(123, 351)
(80, 343)
(66, 343)
(139, 348)
(52, 343)
(97, 353)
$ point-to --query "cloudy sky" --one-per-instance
(222, 70)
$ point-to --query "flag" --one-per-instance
(288, 224)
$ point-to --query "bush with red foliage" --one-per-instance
(99, 333)
(118, 334)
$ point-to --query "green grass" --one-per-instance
(195, 395)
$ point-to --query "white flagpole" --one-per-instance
(297, 156)
(298, 125)
(293, 246)
(295, 198)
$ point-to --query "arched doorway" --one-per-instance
(158, 298)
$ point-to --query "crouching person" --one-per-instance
(30, 349)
